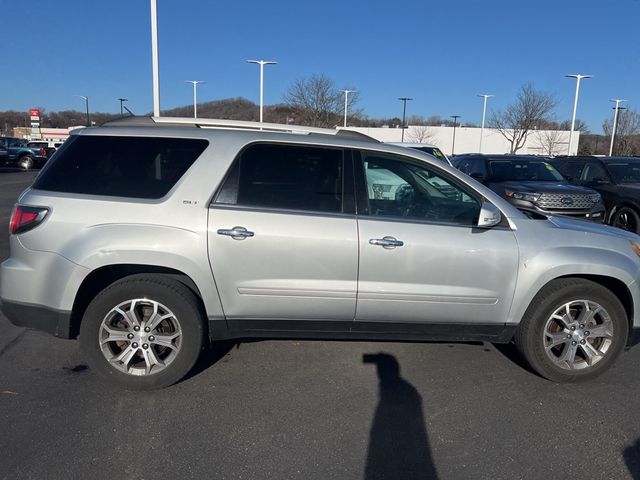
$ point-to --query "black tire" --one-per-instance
(626, 218)
(26, 162)
(530, 336)
(154, 288)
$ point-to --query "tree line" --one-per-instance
(317, 101)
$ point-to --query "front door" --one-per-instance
(422, 260)
(283, 236)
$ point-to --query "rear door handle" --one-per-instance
(387, 242)
(237, 233)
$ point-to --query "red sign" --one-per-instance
(34, 112)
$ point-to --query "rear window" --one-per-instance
(138, 167)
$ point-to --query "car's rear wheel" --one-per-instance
(143, 332)
(573, 330)
(627, 219)
(26, 162)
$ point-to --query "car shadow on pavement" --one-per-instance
(210, 356)
(398, 442)
(632, 459)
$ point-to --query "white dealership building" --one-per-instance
(467, 139)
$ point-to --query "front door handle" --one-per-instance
(387, 242)
(237, 233)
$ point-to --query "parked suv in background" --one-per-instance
(149, 238)
(617, 179)
(424, 147)
(15, 152)
(532, 184)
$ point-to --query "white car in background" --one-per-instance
(426, 148)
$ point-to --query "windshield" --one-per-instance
(625, 172)
(503, 170)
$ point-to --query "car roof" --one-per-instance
(236, 134)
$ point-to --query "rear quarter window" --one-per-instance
(137, 167)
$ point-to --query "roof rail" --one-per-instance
(235, 124)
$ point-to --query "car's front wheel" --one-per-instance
(573, 330)
(627, 219)
(143, 332)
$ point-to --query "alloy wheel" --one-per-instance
(578, 335)
(140, 337)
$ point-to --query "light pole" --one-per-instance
(122, 100)
(86, 104)
(195, 95)
(578, 77)
(154, 58)
(453, 144)
(404, 100)
(484, 114)
(346, 103)
(262, 63)
(617, 101)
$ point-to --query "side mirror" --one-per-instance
(478, 176)
(490, 216)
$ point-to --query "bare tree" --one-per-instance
(551, 141)
(627, 141)
(421, 134)
(318, 102)
(516, 121)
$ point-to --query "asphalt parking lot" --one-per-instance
(311, 410)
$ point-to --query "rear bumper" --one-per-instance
(48, 320)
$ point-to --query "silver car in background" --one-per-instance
(148, 238)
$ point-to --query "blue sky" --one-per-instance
(441, 53)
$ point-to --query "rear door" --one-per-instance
(422, 260)
(283, 236)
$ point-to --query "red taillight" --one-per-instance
(25, 218)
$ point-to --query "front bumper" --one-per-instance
(52, 321)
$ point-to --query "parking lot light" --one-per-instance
(346, 103)
(195, 95)
(262, 63)
(578, 77)
(86, 104)
(122, 100)
(453, 144)
(484, 114)
(616, 110)
(404, 114)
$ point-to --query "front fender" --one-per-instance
(537, 271)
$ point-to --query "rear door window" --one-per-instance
(287, 177)
(137, 167)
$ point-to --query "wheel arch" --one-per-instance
(104, 276)
(625, 202)
(614, 285)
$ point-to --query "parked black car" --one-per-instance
(533, 184)
(617, 179)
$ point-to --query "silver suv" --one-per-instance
(150, 238)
